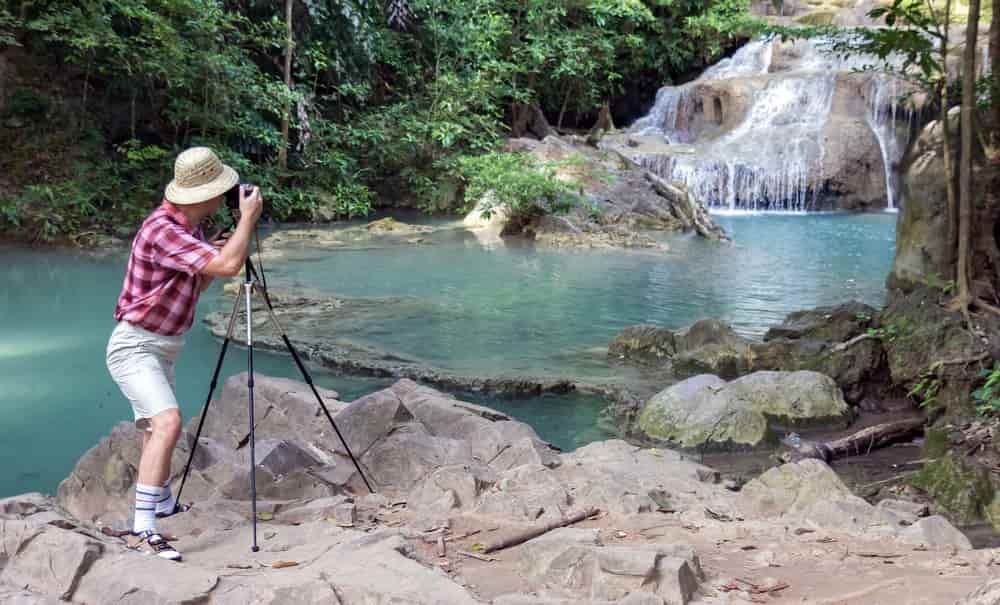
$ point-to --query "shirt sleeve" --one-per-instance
(175, 248)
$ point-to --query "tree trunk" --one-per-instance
(3, 78)
(601, 126)
(995, 73)
(862, 442)
(965, 169)
(949, 168)
(289, 43)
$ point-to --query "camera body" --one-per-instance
(233, 195)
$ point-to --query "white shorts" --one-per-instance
(142, 363)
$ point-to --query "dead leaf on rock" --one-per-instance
(282, 564)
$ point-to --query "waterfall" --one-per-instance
(753, 58)
(773, 157)
(883, 95)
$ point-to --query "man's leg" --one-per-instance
(165, 507)
(154, 466)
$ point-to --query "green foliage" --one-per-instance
(133, 82)
(927, 388)
(987, 397)
(886, 333)
(26, 103)
(8, 28)
(515, 180)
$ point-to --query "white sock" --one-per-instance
(146, 497)
(167, 500)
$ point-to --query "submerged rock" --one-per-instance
(707, 410)
(707, 346)
(317, 325)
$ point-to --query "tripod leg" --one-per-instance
(208, 401)
(248, 287)
(308, 378)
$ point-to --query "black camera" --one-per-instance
(233, 195)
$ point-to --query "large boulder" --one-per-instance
(814, 340)
(707, 410)
(398, 435)
(810, 492)
(923, 251)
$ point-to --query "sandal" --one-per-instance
(153, 543)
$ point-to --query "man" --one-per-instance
(168, 268)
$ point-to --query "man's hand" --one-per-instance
(234, 249)
(251, 204)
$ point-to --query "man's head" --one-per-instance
(200, 182)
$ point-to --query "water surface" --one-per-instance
(474, 309)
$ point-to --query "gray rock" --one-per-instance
(47, 561)
(830, 324)
(707, 346)
(704, 409)
(451, 487)
(935, 532)
(399, 435)
(130, 578)
(987, 594)
(24, 504)
(17, 596)
(642, 598)
(570, 562)
(792, 489)
(310, 510)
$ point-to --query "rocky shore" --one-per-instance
(454, 481)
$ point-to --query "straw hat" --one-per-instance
(199, 175)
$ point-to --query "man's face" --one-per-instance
(211, 206)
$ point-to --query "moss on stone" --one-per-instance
(965, 492)
(935, 442)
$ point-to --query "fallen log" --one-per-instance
(861, 442)
(526, 534)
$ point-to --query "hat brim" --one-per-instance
(183, 196)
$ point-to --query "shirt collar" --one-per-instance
(177, 216)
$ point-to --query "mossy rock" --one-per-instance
(918, 333)
(707, 410)
(819, 17)
(965, 492)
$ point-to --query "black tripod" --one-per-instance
(251, 283)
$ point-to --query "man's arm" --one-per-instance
(230, 259)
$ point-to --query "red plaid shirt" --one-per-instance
(162, 281)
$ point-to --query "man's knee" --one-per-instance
(167, 423)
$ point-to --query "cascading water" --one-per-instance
(884, 109)
(774, 157)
